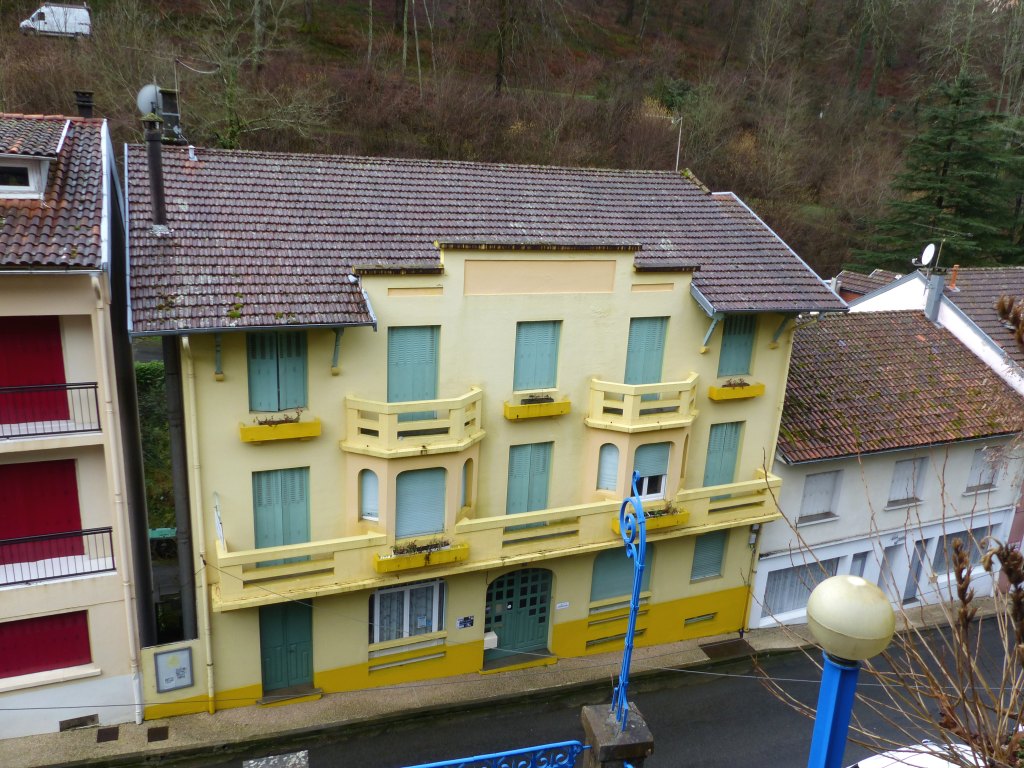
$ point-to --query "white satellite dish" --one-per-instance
(148, 99)
(928, 254)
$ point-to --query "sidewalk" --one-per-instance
(220, 732)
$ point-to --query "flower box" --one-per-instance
(528, 410)
(656, 520)
(454, 553)
(735, 392)
(292, 430)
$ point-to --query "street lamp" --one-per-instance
(852, 620)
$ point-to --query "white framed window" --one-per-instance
(821, 491)
(907, 482)
(983, 471)
(607, 467)
(407, 611)
(787, 589)
(651, 461)
(368, 495)
(20, 178)
(942, 563)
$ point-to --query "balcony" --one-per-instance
(416, 428)
(748, 501)
(642, 407)
(49, 409)
(50, 556)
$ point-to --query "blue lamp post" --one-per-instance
(852, 620)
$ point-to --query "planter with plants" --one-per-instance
(735, 389)
(667, 516)
(279, 427)
(408, 555)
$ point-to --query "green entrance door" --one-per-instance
(286, 646)
(517, 611)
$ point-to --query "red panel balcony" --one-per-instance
(49, 409)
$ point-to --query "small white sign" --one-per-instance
(173, 670)
(561, 606)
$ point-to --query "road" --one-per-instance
(720, 719)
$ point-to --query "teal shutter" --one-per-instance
(737, 345)
(536, 363)
(291, 370)
(651, 460)
(723, 449)
(295, 504)
(368, 495)
(608, 467)
(613, 574)
(419, 506)
(529, 468)
(708, 553)
(266, 495)
(645, 350)
(465, 484)
(262, 352)
(281, 508)
(412, 366)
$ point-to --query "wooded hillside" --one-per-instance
(816, 112)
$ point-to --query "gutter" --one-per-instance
(186, 332)
(923, 446)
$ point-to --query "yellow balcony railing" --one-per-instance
(747, 501)
(419, 427)
(642, 407)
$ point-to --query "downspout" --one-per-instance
(197, 504)
(120, 511)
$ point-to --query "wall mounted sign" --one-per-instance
(173, 670)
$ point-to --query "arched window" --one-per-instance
(607, 467)
(368, 495)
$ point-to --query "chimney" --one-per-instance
(933, 299)
(154, 156)
(952, 277)
(83, 99)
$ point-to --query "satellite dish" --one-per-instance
(148, 99)
(928, 254)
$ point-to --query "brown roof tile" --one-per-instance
(857, 282)
(315, 213)
(62, 230)
(876, 381)
(31, 135)
(977, 291)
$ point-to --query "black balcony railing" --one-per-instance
(56, 555)
(49, 409)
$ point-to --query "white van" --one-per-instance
(63, 20)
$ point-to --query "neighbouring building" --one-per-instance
(414, 394)
(895, 441)
(69, 635)
(853, 285)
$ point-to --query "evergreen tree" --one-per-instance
(960, 185)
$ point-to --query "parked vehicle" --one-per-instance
(925, 755)
(61, 20)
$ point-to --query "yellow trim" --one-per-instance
(536, 410)
(735, 393)
(456, 553)
(545, 661)
(292, 700)
(681, 517)
(293, 430)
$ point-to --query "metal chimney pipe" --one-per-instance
(83, 100)
(154, 156)
(933, 300)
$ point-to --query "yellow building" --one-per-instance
(414, 395)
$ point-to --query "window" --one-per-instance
(529, 469)
(708, 554)
(858, 563)
(819, 500)
(20, 179)
(39, 498)
(368, 495)
(613, 574)
(723, 450)
(983, 471)
(737, 345)
(907, 480)
(943, 562)
(13, 176)
(277, 370)
(413, 368)
(787, 589)
(281, 508)
(43, 643)
(536, 363)
(651, 461)
(407, 611)
(608, 467)
(467, 483)
(419, 502)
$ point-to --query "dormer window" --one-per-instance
(20, 178)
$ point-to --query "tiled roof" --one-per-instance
(857, 282)
(976, 294)
(875, 381)
(33, 135)
(61, 230)
(318, 212)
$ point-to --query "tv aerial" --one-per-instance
(929, 259)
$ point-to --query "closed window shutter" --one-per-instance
(651, 459)
(262, 351)
(412, 363)
(43, 643)
(420, 502)
(907, 477)
(737, 345)
(40, 497)
(613, 574)
(295, 504)
(266, 495)
(608, 467)
(708, 553)
(536, 363)
(31, 353)
(368, 495)
(788, 589)
(291, 370)
(723, 448)
(982, 471)
(819, 491)
(518, 478)
(645, 350)
(540, 472)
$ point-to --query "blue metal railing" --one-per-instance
(562, 754)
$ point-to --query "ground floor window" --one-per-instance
(788, 588)
(44, 643)
(407, 611)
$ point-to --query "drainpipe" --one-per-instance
(120, 511)
(197, 505)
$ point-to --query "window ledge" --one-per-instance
(823, 517)
(742, 392)
(291, 430)
(979, 490)
(901, 504)
(49, 677)
(390, 563)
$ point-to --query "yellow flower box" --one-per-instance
(536, 410)
(735, 393)
(455, 553)
(671, 520)
(292, 430)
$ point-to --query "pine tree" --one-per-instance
(960, 185)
